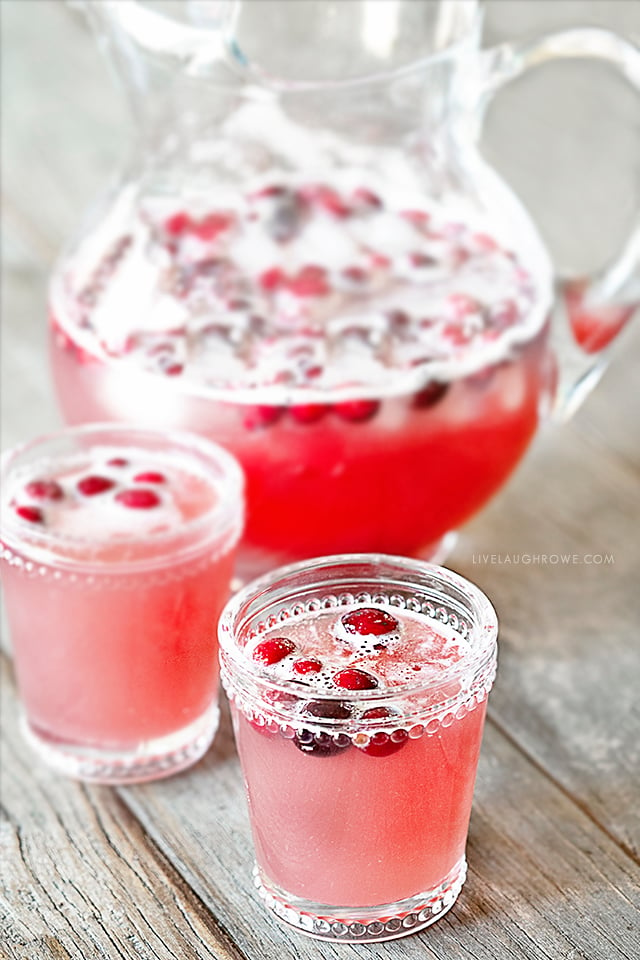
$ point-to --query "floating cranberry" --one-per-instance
(379, 260)
(262, 415)
(209, 227)
(92, 485)
(273, 651)
(369, 620)
(138, 499)
(323, 744)
(378, 713)
(173, 369)
(32, 514)
(353, 679)
(429, 395)
(44, 490)
(178, 224)
(357, 411)
(117, 462)
(307, 665)
(328, 709)
(272, 279)
(311, 281)
(308, 412)
(383, 744)
(150, 476)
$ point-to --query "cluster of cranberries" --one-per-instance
(300, 305)
(139, 495)
(370, 622)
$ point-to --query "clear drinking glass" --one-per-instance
(358, 686)
(116, 553)
(307, 260)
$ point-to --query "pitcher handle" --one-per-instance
(596, 308)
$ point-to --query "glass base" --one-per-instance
(148, 760)
(388, 921)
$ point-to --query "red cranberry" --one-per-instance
(383, 744)
(212, 225)
(44, 490)
(353, 679)
(138, 499)
(320, 744)
(358, 411)
(177, 224)
(261, 415)
(32, 514)
(173, 369)
(273, 651)
(307, 665)
(378, 713)
(272, 279)
(117, 462)
(311, 281)
(323, 744)
(429, 395)
(308, 412)
(150, 476)
(369, 620)
(328, 709)
(93, 484)
(379, 260)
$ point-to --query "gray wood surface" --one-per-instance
(164, 870)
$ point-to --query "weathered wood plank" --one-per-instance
(566, 689)
(79, 879)
(544, 880)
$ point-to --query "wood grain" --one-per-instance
(79, 878)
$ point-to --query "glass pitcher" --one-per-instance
(307, 260)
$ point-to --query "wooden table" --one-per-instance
(164, 870)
